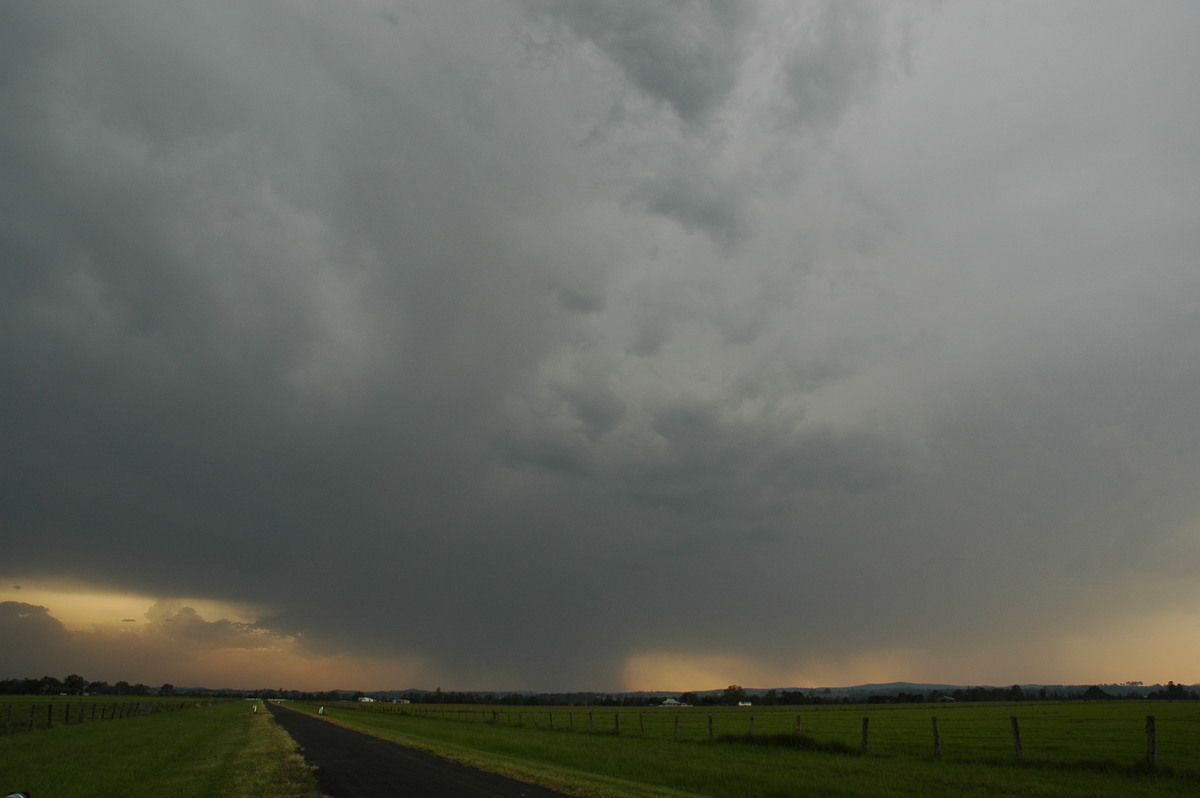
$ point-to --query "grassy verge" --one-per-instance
(225, 749)
(604, 765)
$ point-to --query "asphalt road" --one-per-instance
(351, 764)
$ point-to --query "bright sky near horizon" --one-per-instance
(605, 345)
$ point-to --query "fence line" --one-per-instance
(967, 741)
(73, 713)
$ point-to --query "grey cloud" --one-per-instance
(651, 333)
(555, 453)
(580, 300)
(297, 300)
(716, 464)
(835, 62)
(687, 426)
(696, 203)
(34, 638)
(599, 410)
(685, 54)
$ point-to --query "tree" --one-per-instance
(167, 689)
(733, 695)
(74, 684)
(1174, 692)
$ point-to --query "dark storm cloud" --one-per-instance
(35, 638)
(368, 314)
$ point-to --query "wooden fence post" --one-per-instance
(32, 709)
(591, 724)
(751, 725)
(710, 727)
(571, 720)
(797, 724)
(551, 714)
(641, 725)
(937, 741)
(1016, 730)
(1151, 741)
(49, 716)
(866, 734)
(617, 723)
(676, 728)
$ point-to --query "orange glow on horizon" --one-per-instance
(114, 635)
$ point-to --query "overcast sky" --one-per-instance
(599, 344)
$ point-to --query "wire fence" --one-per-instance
(18, 716)
(1097, 734)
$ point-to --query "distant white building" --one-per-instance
(366, 699)
(745, 703)
(672, 702)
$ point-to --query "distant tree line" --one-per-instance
(75, 684)
(1175, 692)
(1172, 692)
(732, 695)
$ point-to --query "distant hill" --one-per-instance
(858, 692)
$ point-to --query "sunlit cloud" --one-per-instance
(81, 606)
(72, 626)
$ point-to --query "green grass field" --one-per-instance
(1050, 732)
(223, 749)
(33, 713)
(1069, 749)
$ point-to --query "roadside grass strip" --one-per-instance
(225, 749)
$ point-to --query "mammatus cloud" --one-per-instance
(578, 345)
